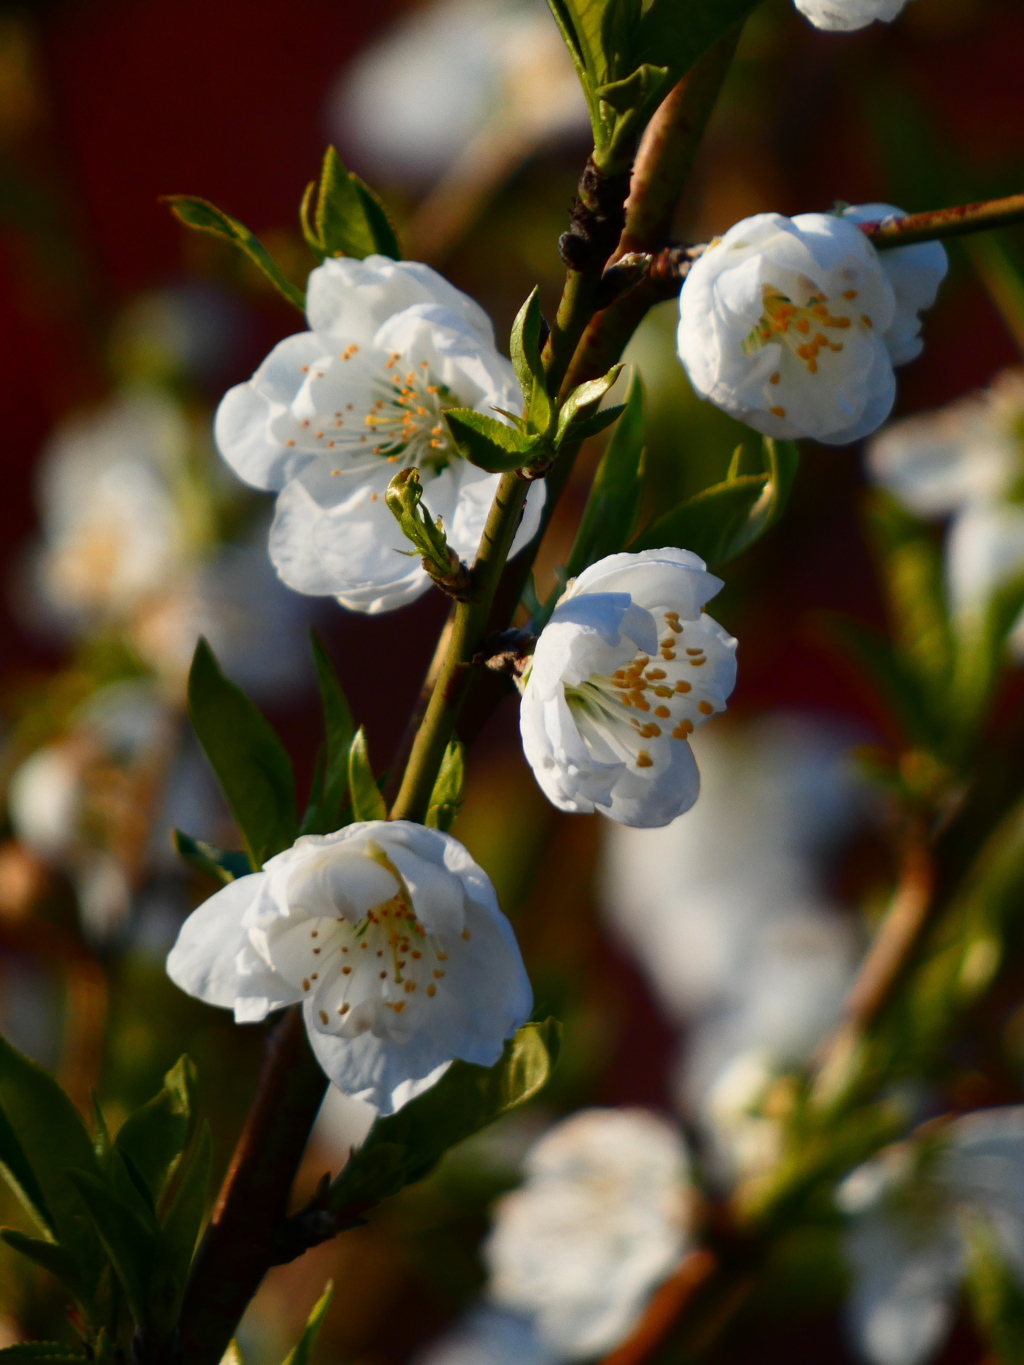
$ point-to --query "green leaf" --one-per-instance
(183, 1220)
(446, 798)
(609, 517)
(129, 1242)
(41, 1350)
(367, 802)
(154, 1136)
(203, 216)
(406, 1146)
(677, 33)
(782, 459)
(710, 524)
(488, 443)
(324, 814)
(222, 864)
(49, 1256)
(46, 1137)
(597, 422)
(252, 767)
(349, 219)
(300, 1353)
(525, 348)
(582, 397)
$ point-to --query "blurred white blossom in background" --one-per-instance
(475, 64)
(486, 1335)
(913, 1211)
(726, 912)
(965, 462)
(602, 1218)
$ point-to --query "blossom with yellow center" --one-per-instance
(622, 675)
(391, 938)
(794, 325)
(334, 413)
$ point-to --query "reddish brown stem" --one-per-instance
(954, 222)
(667, 1305)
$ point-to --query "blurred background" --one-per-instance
(688, 965)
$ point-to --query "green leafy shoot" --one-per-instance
(300, 1352)
(367, 802)
(324, 814)
(446, 798)
(252, 767)
(341, 216)
(221, 864)
(405, 1147)
(202, 216)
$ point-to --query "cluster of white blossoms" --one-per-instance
(726, 913)
(626, 669)
(602, 1218)
(390, 937)
(334, 413)
(844, 16)
(965, 463)
(913, 1209)
(793, 325)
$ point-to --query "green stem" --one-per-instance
(468, 632)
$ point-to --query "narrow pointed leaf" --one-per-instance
(367, 802)
(154, 1136)
(585, 396)
(350, 220)
(524, 344)
(50, 1257)
(128, 1242)
(597, 422)
(50, 1138)
(252, 767)
(711, 524)
(406, 1146)
(300, 1353)
(184, 1218)
(202, 216)
(325, 811)
(488, 443)
(222, 864)
(609, 517)
(446, 798)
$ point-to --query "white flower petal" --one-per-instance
(844, 16)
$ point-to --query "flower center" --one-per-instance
(361, 975)
(806, 329)
(640, 708)
(405, 418)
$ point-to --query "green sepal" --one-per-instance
(222, 864)
(300, 1352)
(42, 1138)
(446, 798)
(582, 397)
(324, 814)
(49, 1256)
(252, 767)
(367, 802)
(155, 1135)
(488, 443)
(348, 219)
(406, 1146)
(202, 216)
(609, 517)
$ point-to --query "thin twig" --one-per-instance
(954, 222)
(666, 1307)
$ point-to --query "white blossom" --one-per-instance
(488, 1336)
(602, 1218)
(843, 16)
(334, 413)
(915, 273)
(910, 1208)
(727, 915)
(792, 325)
(479, 66)
(113, 533)
(390, 936)
(623, 673)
